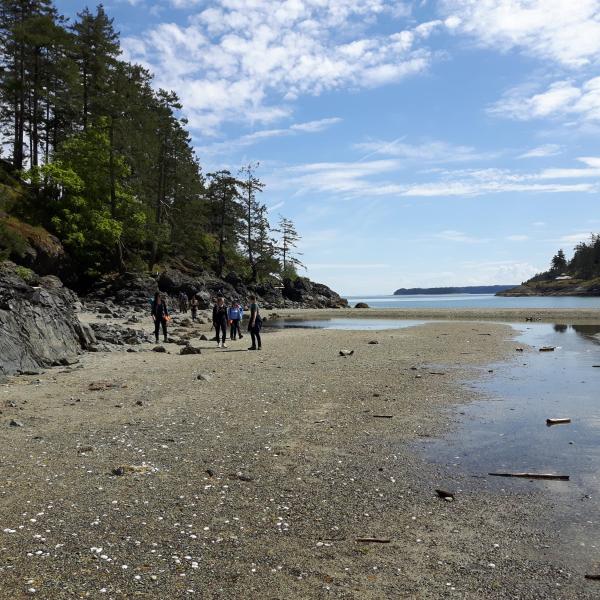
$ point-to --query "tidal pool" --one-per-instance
(507, 431)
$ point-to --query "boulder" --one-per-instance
(189, 349)
(39, 325)
(361, 305)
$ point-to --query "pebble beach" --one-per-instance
(287, 473)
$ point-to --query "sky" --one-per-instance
(414, 143)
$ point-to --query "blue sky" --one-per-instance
(415, 143)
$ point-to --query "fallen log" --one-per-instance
(550, 422)
(532, 476)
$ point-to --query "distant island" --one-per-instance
(473, 289)
(579, 276)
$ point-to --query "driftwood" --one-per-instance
(532, 476)
(593, 577)
(550, 422)
(547, 349)
(383, 416)
(371, 540)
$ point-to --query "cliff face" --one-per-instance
(568, 287)
(38, 322)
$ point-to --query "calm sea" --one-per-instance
(475, 301)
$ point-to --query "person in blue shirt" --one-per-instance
(235, 315)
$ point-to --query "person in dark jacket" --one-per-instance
(254, 324)
(160, 314)
(220, 321)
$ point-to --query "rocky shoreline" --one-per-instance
(565, 287)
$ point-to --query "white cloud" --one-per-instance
(542, 151)
(575, 238)
(353, 266)
(432, 151)
(560, 99)
(498, 272)
(378, 178)
(450, 235)
(247, 60)
(517, 238)
(564, 31)
(249, 139)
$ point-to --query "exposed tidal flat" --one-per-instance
(258, 479)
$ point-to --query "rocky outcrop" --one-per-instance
(135, 290)
(38, 322)
(308, 294)
(554, 287)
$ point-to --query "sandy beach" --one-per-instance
(260, 478)
(510, 315)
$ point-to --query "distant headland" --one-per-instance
(473, 289)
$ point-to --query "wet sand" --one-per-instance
(511, 315)
(258, 481)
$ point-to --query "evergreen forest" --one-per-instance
(93, 154)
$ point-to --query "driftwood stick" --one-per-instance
(532, 476)
(557, 421)
(371, 540)
(383, 416)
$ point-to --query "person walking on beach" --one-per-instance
(183, 302)
(160, 314)
(254, 324)
(194, 307)
(220, 321)
(235, 314)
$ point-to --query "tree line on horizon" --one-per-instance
(105, 162)
(585, 263)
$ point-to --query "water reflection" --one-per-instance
(508, 431)
(591, 332)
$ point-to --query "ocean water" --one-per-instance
(475, 301)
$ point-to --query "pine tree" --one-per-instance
(250, 186)
(559, 262)
(226, 213)
(96, 50)
(288, 242)
(27, 31)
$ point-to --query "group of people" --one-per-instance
(232, 316)
(222, 317)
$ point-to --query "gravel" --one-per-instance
(257, 481)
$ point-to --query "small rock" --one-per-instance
(15, 423)
(204, 377)
(84, 449)
(374, 342)
(344, 352)
(139, 403)
(204, 338)
(190, 350)
(159, 349)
